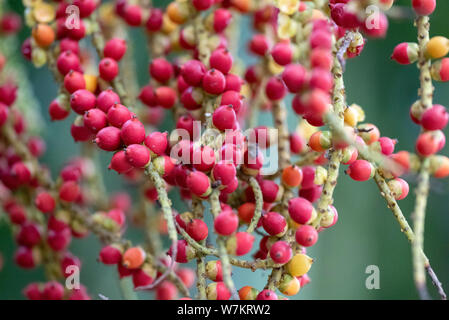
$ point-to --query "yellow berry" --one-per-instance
(437, 47)
(299, 265)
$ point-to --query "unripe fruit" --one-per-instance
(224, 118)
(45, 202)
(197, 229)
(110, 255)
(226, 223)
(435, 118)
(424, 7)
(274, 224)
(267, 295)
(399, 188)
(118, 114)
(306, 236)
(361, 170)
(132, 132)
(161, 70)
(184, 252)
(440, 70)
(115, 49)
(217, 291)
(275, 89)
(248, 293)
(214, 82)
(299, 265)
(108, 69)
(406, 53)
(214, 270)
(301, 210)
(82, 101)
(133, 258)
(320, 141)
(240, 243)
(138, 155)
(221, 59)
(108, 139)
(281, 252)
(289, 285)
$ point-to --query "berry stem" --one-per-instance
(259, 203)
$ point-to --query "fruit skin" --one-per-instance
(199, 184)
(224, 118)
(111, 255)
(289, 285)
(197, 229)
(214, 82)
(399, 188)
(115, 49)
(133, 258)
(240, 243)
(274, 224)
(437, 47)
(226, 223)
(108, 139)
(435, 118)
(248, 293)
(424, 7)
(267, 295)
(406, 53)
(281, 252)
(299, 265)
(301, 210)
(138, 155)
(45, 202)
(132, 132)
(214, 270)
(108, 69)
(306, 236)
(440, 70)
(361, 170)
(217, 291)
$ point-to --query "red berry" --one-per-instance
(154, 22)
(108, 69)
(405, 53)
(132, 132)
(138, 155)
(281, 252)
(224, 118)
(53, 291)
(226, 223)
(424, 7)
(203, 158)
(69, 191)
(147, 96)
(26, 258)
(95, 120)
(274, 223)
(361, 170)
(161, 70)
(240, 244)
(282, 53)
(321, 79)
(82, 100)
(157, 142)
(199, 184)
(197, 229)
(193, 72)
(118, 114)
(4, 112)
(45, 202)
(59, 240)
(108, 139)
(106, 99)
(133, 15)
(29, 235)
(33, 292)
(119, 163)
(222, 18)
(214, 82)
(165, 97)
(68, 61)
(267, 295)
(306, 236)
(427, 144)
(201, 5)
(86, 7)
(191, 98)
(74, 81)
(166, 290)
(67, 44)
(110, 255)
(435, 118)
(221, 59)
(300, 210)
(224, 172)
(115, 49)
(259, 45)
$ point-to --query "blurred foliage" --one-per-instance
(366, 233)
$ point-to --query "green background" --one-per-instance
(366, 233)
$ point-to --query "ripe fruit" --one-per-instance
(138, 155)
(133, 258)
(224, 118)
(437, 47)
(197, 229)
(435, 118)
(301, 210)
(161, 70)
(44, 35)
(424, 7)
(267, 295)
(118, 114)
(214, 82)
(111, 255)
(217, 291)
(274, 224)
(132, 132)
(281, 252)
(108, 69)
(240, 243)
(275, 89)
(306, 236)
(82, 101)
(115, 49)
(226, 223)
(45, 202)
(221, 59)
(69, 191)
(361, 170)
(199, 184)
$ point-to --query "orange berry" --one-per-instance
(437, 47)
(176, 13)
(246, 211)
(248, 293)
(44, 35)
(134, 257)
(292, 176)
(242, 5)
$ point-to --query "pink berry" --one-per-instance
(387, 145)
(108, 69)
(82, 100)
(199, 184)
(294, 77)
(154, 22)
(282, 53)
(165, 97)
(108, 139)
(119, 163)
(132, 132)
(259, 45)
(221, 59)
(161, 70)
(197, 229)
(306, 236)
(435, 118)
(95, 120)
(275, 89)
(133, 15)
(267, 295)
(222, 18)
(193, 72)
(68, 61)
(115, 49)
(147, 96)
(118, 114)
(424, 7)
(74, 81)
(157, 142)
(214, 82)
(59, 240)
(300, 210)
(281, 252)
(224, 172)
(361, 170)
(106, 99)
(110, 255)
(69, 191)
(274, 223)
(29, 235)
(138, 155)
(224, 118)
(45, 202)
(226, 223)
(201, 5)
(53, 291)
(405, 53)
